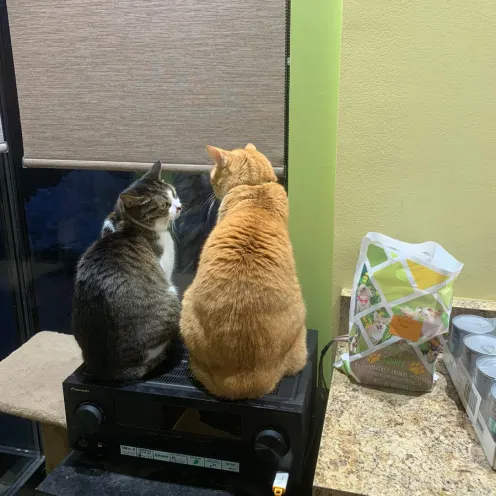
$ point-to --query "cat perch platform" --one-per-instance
(31, 387)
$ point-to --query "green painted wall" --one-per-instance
(313, 106)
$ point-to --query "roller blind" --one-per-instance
(120, 81)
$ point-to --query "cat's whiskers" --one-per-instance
(185, 207)
(173, 230)
(190, 265)
(208, 201)
(205, 203)
(212, 203)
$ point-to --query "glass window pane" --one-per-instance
(10, 339)
(18, 447)
(14, 432)
(65, 211)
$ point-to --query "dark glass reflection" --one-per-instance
(65, 211)
(17, 442)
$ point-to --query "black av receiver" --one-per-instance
(169, 419)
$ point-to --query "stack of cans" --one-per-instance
(491, 411)
(485, 379)
(464, 325)
(473, 341)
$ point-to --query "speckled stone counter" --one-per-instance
(379, 442)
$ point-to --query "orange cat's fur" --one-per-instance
(243, 317)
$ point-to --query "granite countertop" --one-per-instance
(379, 442)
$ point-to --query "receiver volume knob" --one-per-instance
(88, 418)
(270, 445)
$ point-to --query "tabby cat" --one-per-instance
(243, 317)
(125, 307)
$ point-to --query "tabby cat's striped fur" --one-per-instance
(125, 308)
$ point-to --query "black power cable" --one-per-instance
(321, 379)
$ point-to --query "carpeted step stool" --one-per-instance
(31, 387)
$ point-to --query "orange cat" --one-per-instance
(243, 317)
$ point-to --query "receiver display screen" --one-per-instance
(202, 422)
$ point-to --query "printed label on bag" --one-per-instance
(396, 365)
(405, 327)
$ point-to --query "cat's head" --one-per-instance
(150, 200)
(245, 166)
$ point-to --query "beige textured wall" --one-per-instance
(417, 133)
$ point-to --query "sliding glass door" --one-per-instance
(19, 447)
(20, 453)
(19, 443)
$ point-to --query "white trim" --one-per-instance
(44, 163)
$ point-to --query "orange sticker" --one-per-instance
(405, 328)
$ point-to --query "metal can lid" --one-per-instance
(487, 366)
(483, 345)
(473, 324)
(493, 390)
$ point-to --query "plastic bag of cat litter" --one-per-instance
(400, 307)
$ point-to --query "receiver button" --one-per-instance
(270, 445)
(88, 418)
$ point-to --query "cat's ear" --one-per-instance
(217, 155)
(251, 146)
(130, 199)
(154, 172)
